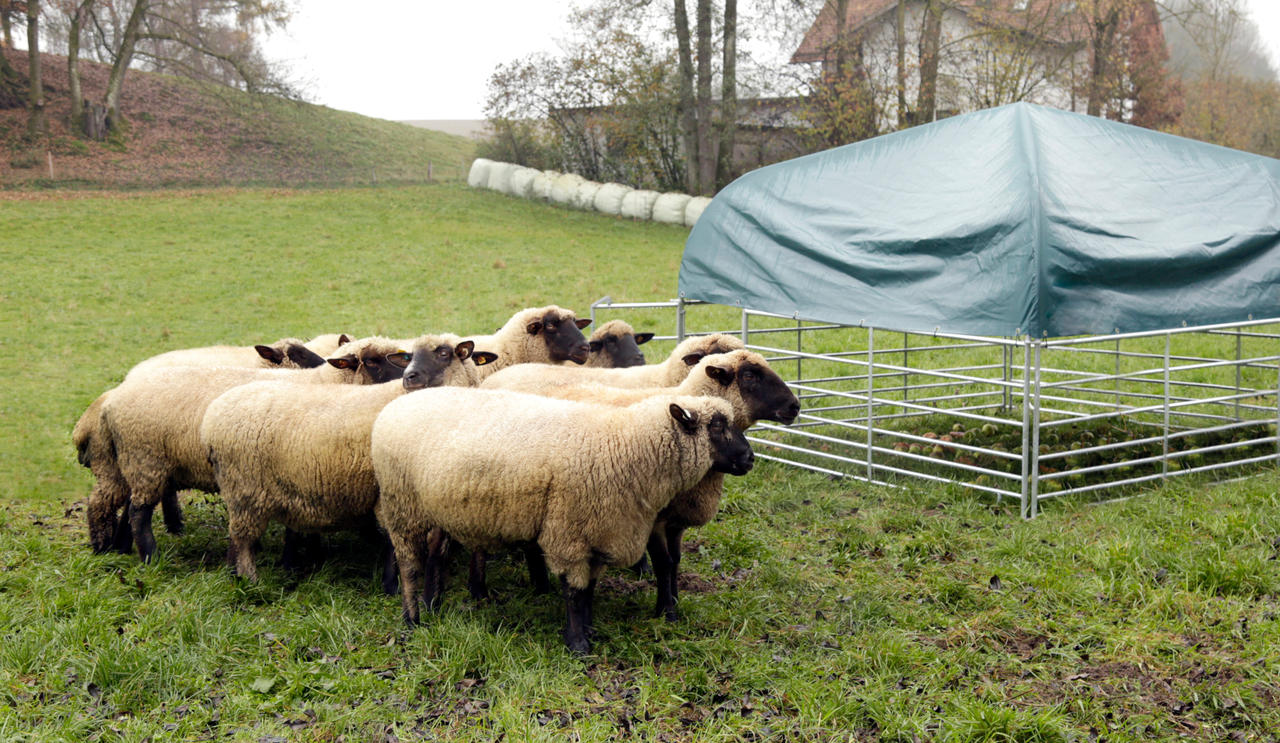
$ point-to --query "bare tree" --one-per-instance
(930, 43)
(36, 123)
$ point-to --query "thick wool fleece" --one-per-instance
(583, 481)
(668, 373)
(299, 453)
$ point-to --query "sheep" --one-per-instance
(299, 453)
(104, 529)
(153, 420)
(755, 391)
(669, 373)
(615, 345)
(583, 481)
(286, 352)
(537, 334)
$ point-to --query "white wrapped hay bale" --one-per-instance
(500, 176)
(694, 209)
(609, 198)
(586, 195)
(565, 187)
(479, 175)
(522, 182)
(669, 208)
(638, 204)
(542, 186)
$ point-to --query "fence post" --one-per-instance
(871, 392)
(1164, 457)
(430, 174)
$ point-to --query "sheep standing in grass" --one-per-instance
(754, 390)
(299, 453)
(547, 335)
(153, 421)
(668, 373)
(106, 529)
(616, 345)
(583, 481)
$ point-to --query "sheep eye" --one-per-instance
(442, 352)
(747, 374)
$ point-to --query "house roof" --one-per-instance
(1053, 20)
(1008, 221)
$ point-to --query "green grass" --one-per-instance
(814, 610)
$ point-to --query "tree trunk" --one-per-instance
(1104, 33)
(706, 142)
(930, 41)
(688, 116)
(900, 43)
(842, 44)
(73, 67)
(36, 124)
(728, 93)
(115, 82)
(7, 25)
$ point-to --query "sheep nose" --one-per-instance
(580, 353)
(414, 380)
(790, 412)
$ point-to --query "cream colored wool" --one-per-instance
(299, 453)
(327, 343)
(667, 373)
(153, 419)
(583, 481)
(240, 356)
(513, 343)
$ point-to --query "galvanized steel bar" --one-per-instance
(871, 395)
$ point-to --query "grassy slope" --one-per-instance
(814, 610)
(183, 133)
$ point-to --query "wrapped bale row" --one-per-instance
(576, 192)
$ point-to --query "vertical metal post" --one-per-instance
(1239, 335)
(906, 358)
(745, 322)
(871, 383)
(1026, 428)
(799, 349)
(1277, 431)
(680, 319)
(1008, 374)
(1035, 441)
(1164, 459)
(1117, 382)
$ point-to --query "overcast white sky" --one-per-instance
(447, 50)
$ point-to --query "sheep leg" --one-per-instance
(244, 544)
(641, 567)
(537, 563)
(476, 582)
(108, 494)
(122, 540)
(140, 525)
(437, 548)
(390, 569)
(409, 558)
(578, 616)
(172, 511)
(662, 574)
(674, 536)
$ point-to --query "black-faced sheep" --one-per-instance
(299, 454)
(583, 481)
(105, 529)
(547, 335)
(755, 392)
(668, 373)
(153, 421)
(616, 345)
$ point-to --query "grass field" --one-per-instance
(813, 609)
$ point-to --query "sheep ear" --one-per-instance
(693, 359)
(720, 374)
(582, 323)
(643, 338)
(464, 349)
(596, 346)
(270, 354)
(480, 358)
(344, 362)
(534, 327)
(304, 357)
(400, 358)
(344, 339)
(687, 420)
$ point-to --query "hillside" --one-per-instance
(186, 133)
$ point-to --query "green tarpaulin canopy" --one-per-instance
(1018, 220)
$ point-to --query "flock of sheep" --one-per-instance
(574, 450)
